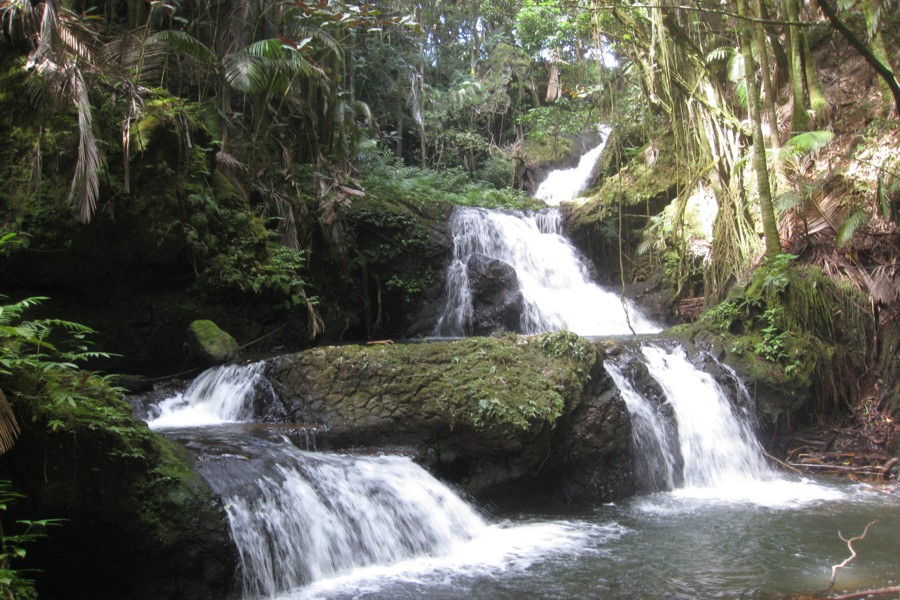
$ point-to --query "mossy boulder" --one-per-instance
(209, 345)
(517, 417)
(799, 339)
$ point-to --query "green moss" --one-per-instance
(210, 344)
(796, 330)
(649, 180)
(503, 384)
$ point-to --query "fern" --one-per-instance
(804, 143)
(788, 201)
(856, 219)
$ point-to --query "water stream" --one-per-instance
(565, 184)
(331, 525)
(557, 289)
(715, 521)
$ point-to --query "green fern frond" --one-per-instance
(804, 143)
(788, 201)
(856, 219)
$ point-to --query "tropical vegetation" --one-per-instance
(229, 154)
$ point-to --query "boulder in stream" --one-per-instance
(511, 419)
(496, 298)
(209, 345)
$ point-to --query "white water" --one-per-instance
(565, 184)
(556, 286)
(656, 457)
(720, 457)
(217, 396)
(307, 524)
(324, 514)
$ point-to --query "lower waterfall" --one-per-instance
(697, 441)
(298, 517)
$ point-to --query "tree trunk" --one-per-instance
(876, 40)
(769, 100)
(782, 64)
(766, 209)
(800, 121)
(884, 70)
(817, 100)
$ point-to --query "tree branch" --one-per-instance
(883, 71)
(852, 556)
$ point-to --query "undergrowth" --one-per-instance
(799, 330)
(391, 180)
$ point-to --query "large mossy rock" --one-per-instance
(512, 418)
(799, 339)
(209, 345)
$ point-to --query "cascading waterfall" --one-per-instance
(654, 441)
(556, 286)
(298, 517)
(566, 184)
(705, 442)
(219, 395)
(718, 448)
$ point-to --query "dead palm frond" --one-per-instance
(9, 427)
(86, 182)
(64, 47)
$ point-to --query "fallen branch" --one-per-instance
(852, 556)
(783, 464)
(864, 593)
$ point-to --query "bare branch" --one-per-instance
(852, 556)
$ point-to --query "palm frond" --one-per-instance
(183, 43)
(9, 427)
(805, 143)
(85, 187)
(883, 285)
(788, 201)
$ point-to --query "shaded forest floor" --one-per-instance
(856, 173)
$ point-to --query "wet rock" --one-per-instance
(496, 298)
(512, 420)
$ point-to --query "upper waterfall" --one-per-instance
(556, 287)
(565, 184)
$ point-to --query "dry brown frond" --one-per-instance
(9, 427)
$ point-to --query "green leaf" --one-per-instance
(854, 221)
(804, 143)
(788, 201)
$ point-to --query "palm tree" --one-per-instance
(63, 49)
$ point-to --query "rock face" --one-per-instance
(513, 419)
(496, 299)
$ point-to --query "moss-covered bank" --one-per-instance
(803, 342)
(493, 414)
(136, 521)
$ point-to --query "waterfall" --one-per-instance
(566, 184)
(556, 286)
(654, 440)
(297, 517)
(718, 448)
(706, 443)
(219, 395)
